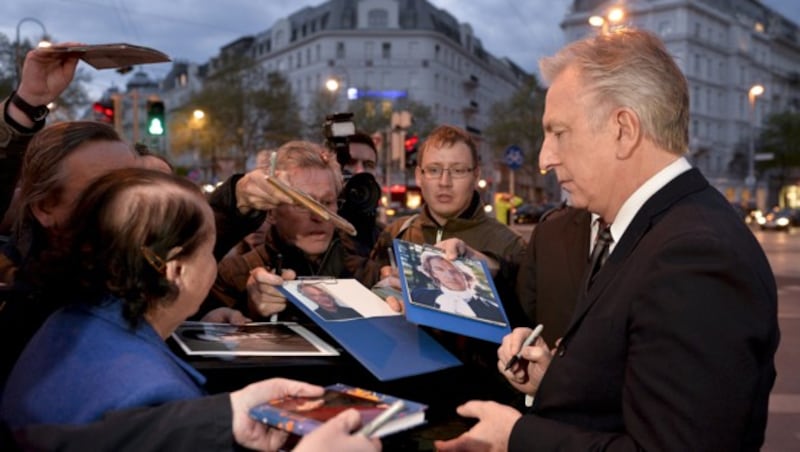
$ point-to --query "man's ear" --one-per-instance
(418, 175)
(43, 212)
(629, 132)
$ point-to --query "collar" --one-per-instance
(636, 200)
(110, 310)
(475, 205)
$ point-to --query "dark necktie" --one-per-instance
(602, 246)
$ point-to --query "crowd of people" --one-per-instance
(666, 344)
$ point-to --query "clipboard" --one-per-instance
(111, 56)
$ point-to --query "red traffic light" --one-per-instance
(411, 143)
(104, 112)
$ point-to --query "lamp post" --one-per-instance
(750, 180)
(610, 22)
(44, 42)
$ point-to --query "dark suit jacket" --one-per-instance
(672, 347)
(550, 275)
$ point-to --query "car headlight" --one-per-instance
(783, 221)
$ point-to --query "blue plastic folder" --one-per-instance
(389, 347)
(420, 295)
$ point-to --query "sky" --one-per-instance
(194, 30)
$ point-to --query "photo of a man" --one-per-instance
(454, 289)
(327, 306)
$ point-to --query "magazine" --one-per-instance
(252, 339)
(301, 415)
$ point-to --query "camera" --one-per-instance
(358, 201)
(337, 129)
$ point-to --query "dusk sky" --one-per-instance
(194, 30)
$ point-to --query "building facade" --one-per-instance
(723, 47)
(385, 51)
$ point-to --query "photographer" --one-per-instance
(356, 153)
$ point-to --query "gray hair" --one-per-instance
(631, 68)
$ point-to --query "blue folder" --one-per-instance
(407, 256)
(389, 347)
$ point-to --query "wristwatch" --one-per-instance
(34, 113)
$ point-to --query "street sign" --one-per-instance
(514, 158)
(764, 156)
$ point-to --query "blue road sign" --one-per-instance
(514, 158)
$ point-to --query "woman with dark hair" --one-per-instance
(137, 260)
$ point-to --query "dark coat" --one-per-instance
(672, 347)
(550, 275)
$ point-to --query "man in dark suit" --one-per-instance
(550, 275)
(672, 342)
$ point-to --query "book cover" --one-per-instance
(301, 415)
(457, 296)
(113, 56)
(252, 339)
(382, 340)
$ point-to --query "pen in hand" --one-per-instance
(528, 341)
(278, 270)
(382, 418)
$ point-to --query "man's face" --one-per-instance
(297, 225)
(448, 274)
(319, 297)
(362, 159)
(447, 197)
(580, 152)
(78, 170)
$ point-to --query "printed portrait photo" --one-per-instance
(460, 287)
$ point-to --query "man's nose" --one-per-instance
(547, 158)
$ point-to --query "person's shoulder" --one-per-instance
(562, 211)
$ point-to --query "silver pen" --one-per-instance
(384, 417)
(528, 341)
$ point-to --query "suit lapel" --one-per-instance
(685, 184)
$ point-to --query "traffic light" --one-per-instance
(411, 145)
(155, 117)
(104, 111)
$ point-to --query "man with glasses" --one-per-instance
(447, 172)
(453, 218)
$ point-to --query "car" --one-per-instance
(531, 213)
(780, 219)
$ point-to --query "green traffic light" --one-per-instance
(155, 127)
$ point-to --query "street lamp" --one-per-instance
(750, 180)
(44, 42)
(610, 22)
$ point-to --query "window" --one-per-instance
(377, 18)
(340, 53)
(369, 50)
(386, 50)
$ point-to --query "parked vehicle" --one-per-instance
(780, 219)
(531, 213)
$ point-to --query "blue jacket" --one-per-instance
(86, 361)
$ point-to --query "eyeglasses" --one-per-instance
(456, 172)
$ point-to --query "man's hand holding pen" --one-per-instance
(532, 362)
(263, 295)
